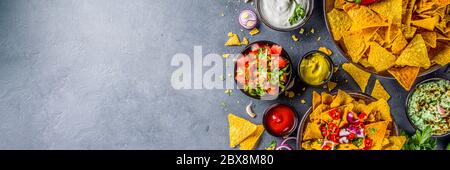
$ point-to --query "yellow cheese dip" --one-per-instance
(315, 69)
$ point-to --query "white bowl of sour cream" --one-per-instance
(284, 15)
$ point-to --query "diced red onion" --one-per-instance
(352, 129)
(343, 140)
(343, 132)
(351, 119)
(441, 110)
(360, 133)
(248, 19)
(285, 147)
(287, 139)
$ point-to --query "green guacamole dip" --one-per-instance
(429, 105)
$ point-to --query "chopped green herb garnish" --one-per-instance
(299, 13)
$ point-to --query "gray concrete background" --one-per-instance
(95, 74)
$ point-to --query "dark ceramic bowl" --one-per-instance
(308, 15)
(328, 5)
(329, 60)
(294, 127)
(409, 96)
(357, 96)
(290, 80)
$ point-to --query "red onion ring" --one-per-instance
(250, 21)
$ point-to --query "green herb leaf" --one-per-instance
(272, 145)
(421, 140)
(299, 12)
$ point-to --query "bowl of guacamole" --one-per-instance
(428, 104)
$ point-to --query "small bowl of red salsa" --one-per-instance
(280, 120)
(263, 70)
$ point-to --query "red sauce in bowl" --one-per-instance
(280, 120)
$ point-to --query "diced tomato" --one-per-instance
(242, 62)
(368, 143)
(326, 147)
(255, 47)
(334, 138)
(351, 136)
(335, 114)
(276, 50)
(362, 116)
(273, 90)
(324, 130)
(252, 54)
(280, 60)
(240, 79)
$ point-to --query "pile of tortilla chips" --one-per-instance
(243, 133)
(371, 122)
(397, 37)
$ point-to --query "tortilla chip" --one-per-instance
(326, 98)
(380, 58)
(244, 41)
(361, 77)
(393, 32)
(315, 114)
(389, 9)
(355, 45)
(409, 32)
(443, 56)
(376, 132)
(364, 62)
(379, 92)
(399, 44)
(326, 50)
(340, 22)
(395, 143)
(331, 85)
(348, 6)
(254, 31)
(362, 107)
(382, 110)
(442, 37)
(430, 38)
(378, 39)
(233, 40)
(316, 100)
(347, 147)
(428, 23)
(405, 76)
(252, 140)
(409, 13)
(415, 54)
(364, 17)
(339, 4)
(368, 33)
(312, 131)
(342, 98)
(240, 129)
(312, 145)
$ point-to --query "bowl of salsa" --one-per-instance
(263, 70)
(280, 120)
(315, 68)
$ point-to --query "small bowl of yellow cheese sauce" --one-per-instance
(315, 68)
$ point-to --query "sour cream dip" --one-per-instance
(277, 13)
